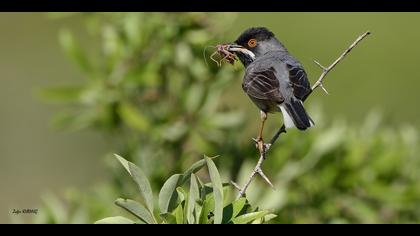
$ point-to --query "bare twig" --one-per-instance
(325, 70)
(266, 147)
(261, 173)
(235, 185)
(257, 170)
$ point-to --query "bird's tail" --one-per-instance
(294, 114)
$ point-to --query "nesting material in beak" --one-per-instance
(239, 49)
(222, 50)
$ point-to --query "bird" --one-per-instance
(274, 80)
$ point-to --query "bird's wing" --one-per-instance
(262, 83)
(299, 81)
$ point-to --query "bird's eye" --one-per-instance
(252, 43)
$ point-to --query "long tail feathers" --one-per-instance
(294, 115)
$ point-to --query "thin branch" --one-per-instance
(276, 136)
(235, 185)
(326, 70)
(261, 173)
(266, 147)
(256, 170)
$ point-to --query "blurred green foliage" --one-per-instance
(148, 86)
(148, 83)
(343, 174)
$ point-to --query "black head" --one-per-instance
(254, 42)
(257, 33)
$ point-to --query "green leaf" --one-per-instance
(264, 219)
(123, 162)
(133, 30)
(179, 214)
(136, 209)
(143, 184)
(209, 186)
(62, 94)
(194, 96)
(193, 198)
(115, 220)
(174, 131)
(200, 202)
(168, 218)
(168, 195)
(208, 205)
(238, 205)
(198, 209)
(193, 169)
(140, 178)
(183, 196)
(184, 199)
(217, 191)
(183, 54)
(133, 117)
(226, 119)
(246, 218)
(73, 50)
(232, 210)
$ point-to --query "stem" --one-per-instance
(257, 169)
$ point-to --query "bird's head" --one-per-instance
(253, 43)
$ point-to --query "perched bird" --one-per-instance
(274, 80)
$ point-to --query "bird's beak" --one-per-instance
(235, 48)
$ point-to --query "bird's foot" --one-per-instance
(260, 145)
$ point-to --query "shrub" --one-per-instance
(202, 204)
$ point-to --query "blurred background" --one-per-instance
(76, 88)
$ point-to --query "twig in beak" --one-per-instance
(204, 53)
(212, 58)
(228, 56)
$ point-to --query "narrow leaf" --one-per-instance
(123, 162)
(143, 184)
(184, 199)
(179, 214)
(264, 219)
(238, 205)
(192, 170)
(133, 117)
(193, 97)
(198, 209)
(168, 218)
(217, 191)
(73, 50)
(183, 196)
(193, 197)
(244, 219)
(168, 195)
(232, 210)
(140, 178)
(136, 209)
(115, 220)
(208, 205)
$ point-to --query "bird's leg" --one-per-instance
(259, 140)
